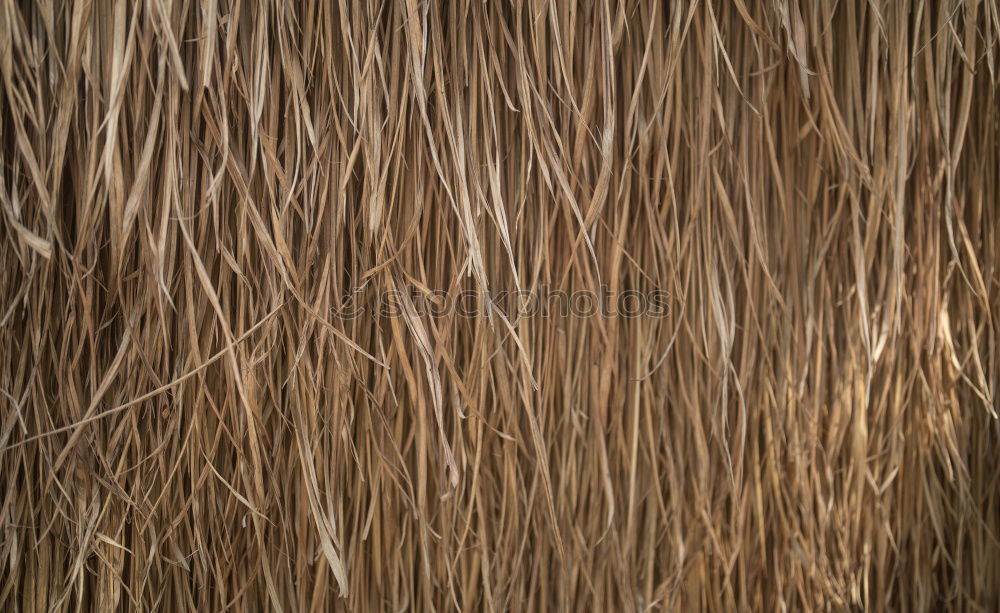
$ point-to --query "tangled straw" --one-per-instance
(191, 193)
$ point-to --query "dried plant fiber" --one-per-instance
(193, 191)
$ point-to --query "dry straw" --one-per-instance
(191, 191)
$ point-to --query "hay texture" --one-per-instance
(204, 204)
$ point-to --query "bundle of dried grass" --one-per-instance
(206, 406)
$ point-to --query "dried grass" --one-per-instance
(189, 188)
